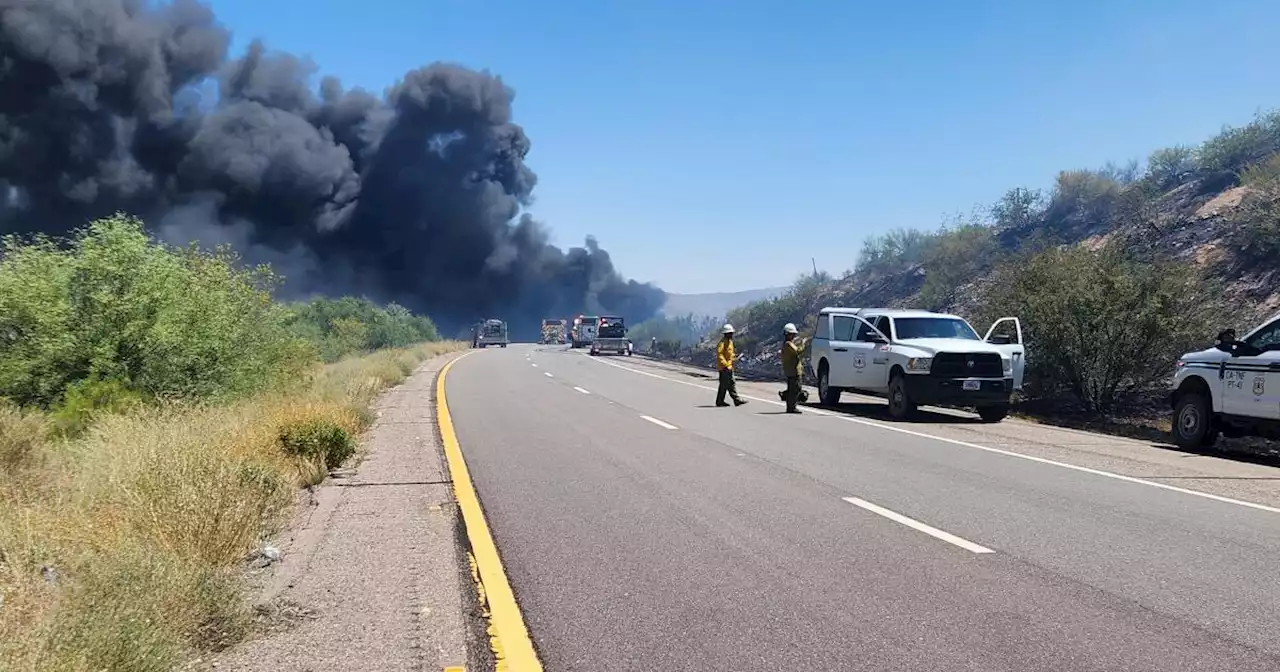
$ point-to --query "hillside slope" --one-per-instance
(715, 304)
(1209, 213)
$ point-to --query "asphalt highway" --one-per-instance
(644, 529)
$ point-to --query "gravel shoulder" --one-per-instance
(373, 572)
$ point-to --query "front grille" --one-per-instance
(966, 365)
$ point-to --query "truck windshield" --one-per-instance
(933, 327)
(612, 328)
(493, 330)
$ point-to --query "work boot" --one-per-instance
(721, 404)
(739, 402)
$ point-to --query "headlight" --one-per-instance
(1008, 365)
(919, 363)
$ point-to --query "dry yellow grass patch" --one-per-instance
(121, 550)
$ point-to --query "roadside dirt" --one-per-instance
(373, 572)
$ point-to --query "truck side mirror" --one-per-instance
(1001, 339)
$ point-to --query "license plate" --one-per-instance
(972, 385)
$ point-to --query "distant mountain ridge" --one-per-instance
(715, 304)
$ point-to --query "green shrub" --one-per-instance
(894, 251)
(1171, 166)
(1232, 150)
(957, 256)
(345, 326)
(1099, 325)
(318, 440)
(113, 305)
(1259, 219)
(1261, 174)
(87, 398)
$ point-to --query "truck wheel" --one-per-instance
(827, 395)
(900, 404)
(1193, 425)
(504, 345)
(993, 413)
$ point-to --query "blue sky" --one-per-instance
(760, 134)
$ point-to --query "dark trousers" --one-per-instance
(727, 385)
(793, 392)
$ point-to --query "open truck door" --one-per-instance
(1010, 344)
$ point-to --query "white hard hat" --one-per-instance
(728, 329)
(789, 328)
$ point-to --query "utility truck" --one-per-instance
(917, 357)
(611, 336)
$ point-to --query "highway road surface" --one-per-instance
(641, 528)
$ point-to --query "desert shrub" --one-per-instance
(1101, 326)
(1223, 156)
(1019, 208)
(348, 325)
(1084, 194)
(89, 398)
(957, 256)
(113, 305)
(894, 251)
(1171, 166)
(1262, 174)
(320, 440)
(1259, 220)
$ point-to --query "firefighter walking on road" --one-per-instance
(792, 365)
(724, 362)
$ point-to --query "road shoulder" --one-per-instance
(372, 573)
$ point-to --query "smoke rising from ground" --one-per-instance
(413, 196)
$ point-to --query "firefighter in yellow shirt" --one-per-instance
(724, 362)
(792, 365)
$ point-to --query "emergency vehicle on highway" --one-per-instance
(611, 336)
(914, 357)
(1231, 389)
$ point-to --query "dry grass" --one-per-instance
(121, 550)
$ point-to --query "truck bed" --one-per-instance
(617, 345)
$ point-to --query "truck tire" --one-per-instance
(993, 413)
(1193, 425)
(504, 345)
(827, 395)
(900, 405)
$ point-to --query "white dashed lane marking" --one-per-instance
(917, 525)
(665, 425)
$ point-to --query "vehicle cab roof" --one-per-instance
(888, 312)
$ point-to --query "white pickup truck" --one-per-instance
(914, 357)
(1232, 389)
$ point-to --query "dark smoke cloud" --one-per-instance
(415, 196)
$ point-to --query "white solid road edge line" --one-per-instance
(917, 525)
(659, 423)
(581, 390)
(998, 451)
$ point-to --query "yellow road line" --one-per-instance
(512, 647)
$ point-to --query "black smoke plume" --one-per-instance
(415, 196)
